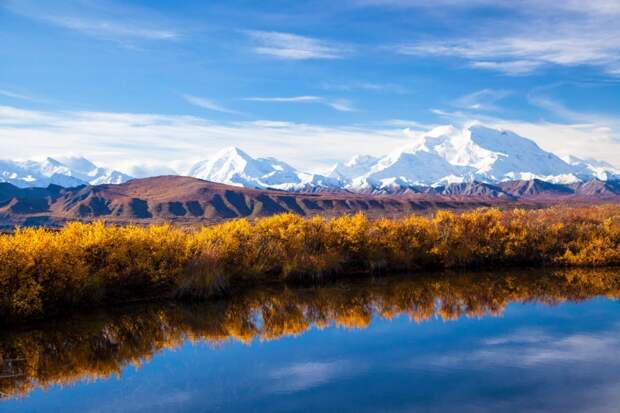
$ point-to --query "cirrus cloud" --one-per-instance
(341, 105)
(295, 47)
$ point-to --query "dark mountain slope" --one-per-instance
(190, 200)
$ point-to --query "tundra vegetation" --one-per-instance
(43, 271)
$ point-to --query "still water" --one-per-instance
(477, 342)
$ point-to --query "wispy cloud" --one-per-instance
(484, 99)
(509, 67)
(120, 140)
(532, 358)
(15, 95)
(538, 348)
(341, 105)
(596, 7)
(567, 33)
(302, 376)
(208, 104)
(108, 20)
(295, 47)
(24, 96)
(523, 54)
(410, 124)
(365, 86)
(106, 28)
(17, 117)
(292, 99)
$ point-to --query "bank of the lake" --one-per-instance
(45, 272)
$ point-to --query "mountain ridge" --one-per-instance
(188, 200)
(68, 172)
(438, 158)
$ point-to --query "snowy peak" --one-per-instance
(586, 169)
(69, 172)
(230, 165)
(440, 157)
(353, 168)
(447, 155)
(77, 163)
(235, 167)
(443, 157)
(87, 171)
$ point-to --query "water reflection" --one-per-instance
(100, 345)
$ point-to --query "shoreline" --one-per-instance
(45, 272)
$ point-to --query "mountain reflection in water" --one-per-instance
(99, 345)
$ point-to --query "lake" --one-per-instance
(511, 341)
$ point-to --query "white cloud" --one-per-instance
(105, 28)
(539, 34)
(510, 67)
(16, 95)
(143, 170)
(409, 124)
(292, 99)
(581, 140)
(208, 104)
(341, 105)
(484, 99)
(109, 20)
(120, 140)
(536, 359)
(524, 53)
(295, 47)
(17, 117)
(365, 86)
(595, 7)
(527, 349)
(302, 376)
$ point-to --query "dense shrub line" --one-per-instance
(42, 271)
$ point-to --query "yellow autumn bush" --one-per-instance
(44, 271)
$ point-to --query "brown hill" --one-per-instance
(187, 200)
(535, 188)
(597, 188)
(191, 200)
(477, 189)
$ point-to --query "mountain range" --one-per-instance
(442, 156)
(66, 172)
(187, 200)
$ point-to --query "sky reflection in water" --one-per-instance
(510, 343)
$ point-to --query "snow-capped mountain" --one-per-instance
(234, 167)
(586, 169)
(69, 172)
(442, 156)
(447, 155)
(357, 166)
(86, 171)
(438, 158)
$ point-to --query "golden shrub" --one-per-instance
(44, 271)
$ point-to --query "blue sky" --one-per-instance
(164, 83)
